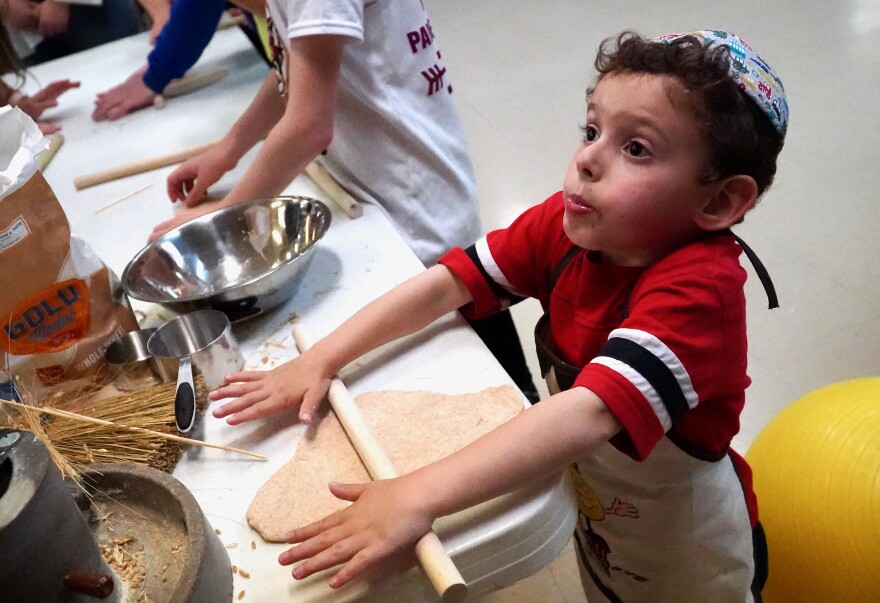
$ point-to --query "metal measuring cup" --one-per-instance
(202, 339)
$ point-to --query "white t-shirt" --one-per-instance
(398, 140)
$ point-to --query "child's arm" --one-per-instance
(404, 310)
(304, 128)
(191, 180)
(390, 515)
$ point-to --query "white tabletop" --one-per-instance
(494, 544)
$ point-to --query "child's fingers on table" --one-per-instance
(314, 545)
(243, 376)
(163, 227)
(340, 551)
(234, 390)
(357, 565)
(259, 410)
(103, 104)
(241, 403)
(121, 109)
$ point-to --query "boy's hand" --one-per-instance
(385, 518)
(300, 382)
(190, 181)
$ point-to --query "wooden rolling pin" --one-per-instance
(337, 194)
(434, 559)
(138, 167)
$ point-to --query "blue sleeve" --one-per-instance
(191, 25)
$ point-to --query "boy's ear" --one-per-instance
(732, 198)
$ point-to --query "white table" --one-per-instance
(494, 544)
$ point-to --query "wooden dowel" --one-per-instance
(193, 81)
(138, 167)
(442, 573)
(122, 198)
(167, 436)
(55, 142)
(337, 194)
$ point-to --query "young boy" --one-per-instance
(644, 332)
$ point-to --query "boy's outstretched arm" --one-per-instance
(305, 380)
(390, 515)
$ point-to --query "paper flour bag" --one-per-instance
(60, 306)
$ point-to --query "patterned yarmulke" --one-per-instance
(755, 77)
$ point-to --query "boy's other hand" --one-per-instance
(386, 517)
(300, 382)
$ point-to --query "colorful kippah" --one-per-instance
(755, 77)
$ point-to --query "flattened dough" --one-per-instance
(415, 428)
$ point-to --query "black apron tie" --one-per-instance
(761, 271)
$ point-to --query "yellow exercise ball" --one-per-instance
(817, 476)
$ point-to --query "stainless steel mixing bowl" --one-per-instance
(242, 260)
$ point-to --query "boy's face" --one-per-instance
(632, 189)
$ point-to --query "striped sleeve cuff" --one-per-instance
(643, 382)
(484, 300)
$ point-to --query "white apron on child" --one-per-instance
(689, 528)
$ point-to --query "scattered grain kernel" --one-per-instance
(240, 596)
(232, 545)
(254, 544)
(217, 531)
(234, 569)
(244, 573)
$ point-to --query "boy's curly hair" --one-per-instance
(739, 137)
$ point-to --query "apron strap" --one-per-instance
(761, 271)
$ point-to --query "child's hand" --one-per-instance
(53, 90)
(301, 381)
(387, 517)
(190, 181)
(47, 128)
(129, 96)
(35, 104)
(190, 213)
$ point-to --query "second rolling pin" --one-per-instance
(138, 167)
(337, 194)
